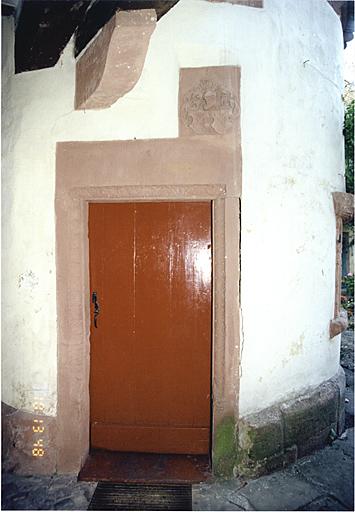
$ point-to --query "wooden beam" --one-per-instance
(43, 30)
(45, 27)
(101, 11)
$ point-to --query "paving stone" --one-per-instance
(64, 504)
(61, 493)
(349, 407)
(9, 489)
(89, 489)
(21, 496)
(20, 504)
(215, 504)
(279, 491)
(347, 349)
(324, 503)
(80, 502)
(215, 496)
(37, 500)
(242, 501)
(331, 470)
(45, 493)
(217, 486)
(349, 376)
(347, 445)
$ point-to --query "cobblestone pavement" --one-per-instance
(45, 493)
(347, 362)
(322, 481)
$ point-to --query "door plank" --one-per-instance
(151, 439)
(150, 264)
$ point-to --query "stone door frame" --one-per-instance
(89, 172)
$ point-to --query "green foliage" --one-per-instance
(348, 284)
(347, 299)
(349, 145)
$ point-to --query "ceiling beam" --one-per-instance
(43, 30)
(101, 11)
(45, 27)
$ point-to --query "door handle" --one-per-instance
(96, 307)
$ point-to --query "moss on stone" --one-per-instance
(259, 441)
(224, 449)
(278, 435)
(266, 441)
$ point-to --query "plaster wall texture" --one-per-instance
(290, 55)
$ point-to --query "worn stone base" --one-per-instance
(28, 442)
(257, 444)
(279, 435)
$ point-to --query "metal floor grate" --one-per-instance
(112, 496)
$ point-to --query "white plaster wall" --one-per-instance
(290, 54)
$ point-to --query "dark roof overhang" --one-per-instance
(44, 27)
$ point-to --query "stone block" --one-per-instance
(339, 380)
(338, 324)
(260, 434)
(278, 461)
(112, 63)
(279, 435)
(309, 419)
(209, 101)
(260, 442)
(344, 205)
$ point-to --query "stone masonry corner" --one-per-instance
(279, 435)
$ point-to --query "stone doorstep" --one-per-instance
(279, 435)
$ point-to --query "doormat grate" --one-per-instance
(112, 496)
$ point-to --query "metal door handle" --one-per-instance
(96, 307)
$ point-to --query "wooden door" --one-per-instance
(150, 374)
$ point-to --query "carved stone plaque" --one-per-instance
(209, 100)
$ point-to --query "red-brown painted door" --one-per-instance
(150, 373)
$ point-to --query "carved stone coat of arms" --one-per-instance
(209, 109)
